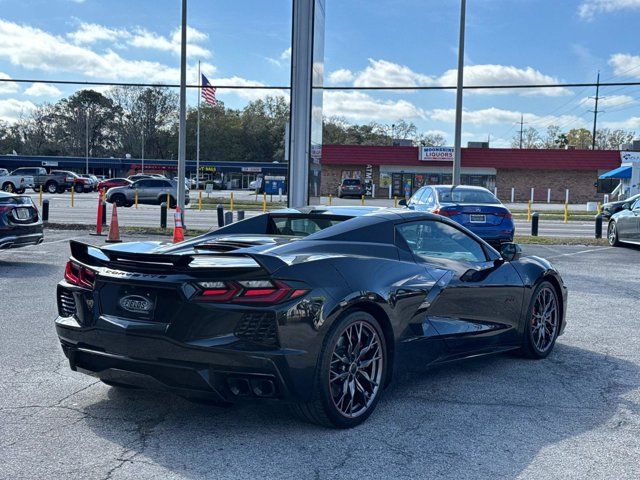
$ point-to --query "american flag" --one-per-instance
(208, 92)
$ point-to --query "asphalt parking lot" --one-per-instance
(573, 415)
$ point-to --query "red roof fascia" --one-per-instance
(537, 159)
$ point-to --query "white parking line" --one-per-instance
(596, 249)
(30, 247)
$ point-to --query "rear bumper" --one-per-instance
(220, 369)
(16, 239)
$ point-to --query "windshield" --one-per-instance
(466, 195)
(350, 182)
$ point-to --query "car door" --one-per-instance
(143, 187)
(477, 303)
(634, 220)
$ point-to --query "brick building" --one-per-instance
(396, 170)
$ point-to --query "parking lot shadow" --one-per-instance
(483, 418)
(25, 269)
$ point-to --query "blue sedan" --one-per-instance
(476, 208)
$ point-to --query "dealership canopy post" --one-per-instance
(182, 132)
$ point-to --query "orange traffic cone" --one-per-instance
(178, 233)
(114, 230)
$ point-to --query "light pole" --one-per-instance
(182, 132)
(142, 153)
(86, 139)
(458, 132)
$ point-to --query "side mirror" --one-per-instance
(510, 251)
(402, 202)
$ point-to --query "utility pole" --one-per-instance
(595, 113)
(182, 130)
(86, 139)
(521, 129)
(142, 154)
(198, 131)
(455, 177)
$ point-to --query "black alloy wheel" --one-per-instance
(350, 378)
(543, 325)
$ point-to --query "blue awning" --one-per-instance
(620, 172)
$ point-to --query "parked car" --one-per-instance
(151, 191)
(624, 226)
(351, 187)
(609, 208)
(322, 308)
(14, 183)
(476, 208)
(114, 182)
(92, 179)
(54, 182)
(20, 222)
(78, 183)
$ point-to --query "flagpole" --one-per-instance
(198, 132)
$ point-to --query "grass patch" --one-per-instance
(528, 239)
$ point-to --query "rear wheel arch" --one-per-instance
(556, 285)
(381, 316)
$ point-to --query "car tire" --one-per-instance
(61, 189)
(541, 328)
(51, 187)
(172, 202)
(363, 384)
(8, 187)
(78, 188)
(119, 199)
(612, 234)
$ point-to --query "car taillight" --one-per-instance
(446, 213)
(79, 275)
(248, 291)
(504, 214)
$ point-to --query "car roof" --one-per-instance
(469, 187)
(7, 195)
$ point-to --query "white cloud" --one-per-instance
(8, 87)
(341, 76)
(382, 73)
(12, 109)
(35, 49)
(495, 116)
(607, 101)
(359, 106)
(42, 90)
(625, 65)
(286, 54)
(246, 94)
(89, 33)
(631, 123)
(503, 75)
(589, 8)
(143, 38)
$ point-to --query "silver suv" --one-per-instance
(151, 191)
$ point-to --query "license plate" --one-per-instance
(22, 213)
(473, 218)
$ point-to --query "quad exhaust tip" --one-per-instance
(259, 387)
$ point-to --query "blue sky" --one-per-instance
(368, 42)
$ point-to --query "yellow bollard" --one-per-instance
(135, 198)
(231, 202)
(395, 201)
(566, 212)
(200, 200)
(599, 208)
(72, 194)
(529, 211)
(40, 196)
(264, 202)
(330, 199)
(362, 200)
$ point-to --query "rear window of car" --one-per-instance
(466, 195)
(302, 226)
(16, 200)
(351, 182)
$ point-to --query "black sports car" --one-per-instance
(20, 222)
(611, 208)
(317, 307)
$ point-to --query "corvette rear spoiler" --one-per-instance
(96, 256)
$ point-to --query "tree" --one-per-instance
(607, 139)
(579, 138)
(530, 139)
(429, 140)
(551, 138)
